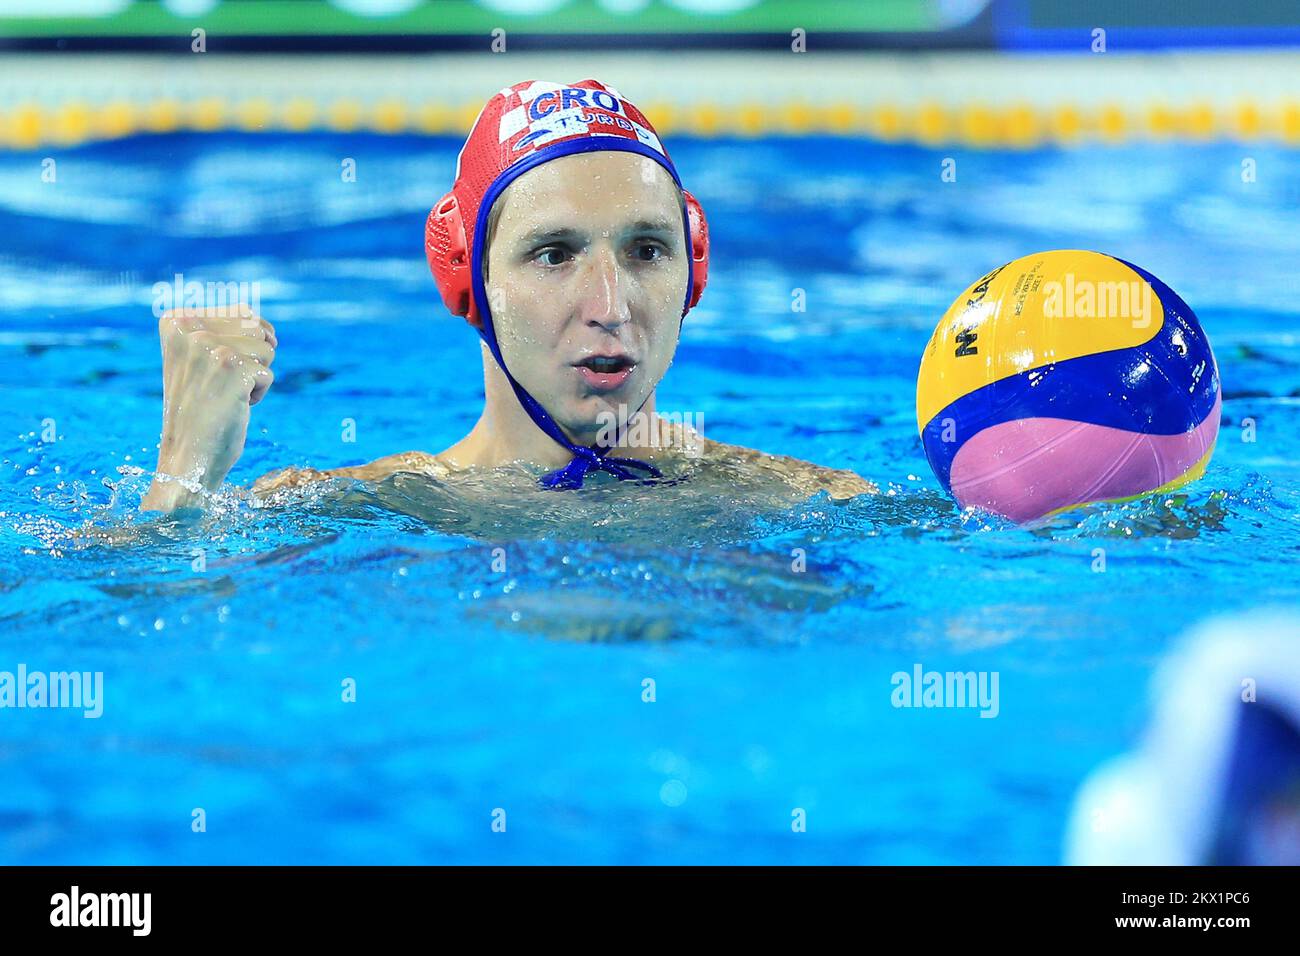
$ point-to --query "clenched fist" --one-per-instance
(216, 365)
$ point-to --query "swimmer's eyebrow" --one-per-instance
(544, 235)
(656, 225)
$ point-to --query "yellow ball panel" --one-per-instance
(1034, 311)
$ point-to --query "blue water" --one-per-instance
(479, 689)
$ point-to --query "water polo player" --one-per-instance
(568, 243)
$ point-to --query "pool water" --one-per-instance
(502, 650)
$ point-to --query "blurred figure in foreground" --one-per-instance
(1216, 779)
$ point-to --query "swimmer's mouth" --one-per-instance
(606, 364)
(604, 373)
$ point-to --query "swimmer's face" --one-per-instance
(588, 261)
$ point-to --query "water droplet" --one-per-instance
(673, 793)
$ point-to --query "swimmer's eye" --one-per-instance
(552, 256)
(650, 251)
(643, 251)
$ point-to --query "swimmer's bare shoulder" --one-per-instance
(804, 476)
(415, 462)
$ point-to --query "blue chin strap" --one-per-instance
(586, 459)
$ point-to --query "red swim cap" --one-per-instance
(521, 127)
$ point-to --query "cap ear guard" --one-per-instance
(449, 258)
(699, 249)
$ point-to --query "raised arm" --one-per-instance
(216, 366)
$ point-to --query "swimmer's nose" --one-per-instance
(603, 293)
